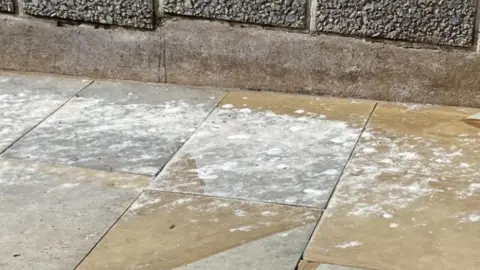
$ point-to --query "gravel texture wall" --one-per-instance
(288, 13)
(448, 22)
(134, 13)
(6, 6)
(438, 22)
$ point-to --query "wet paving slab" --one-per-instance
(26, 100)
(245, 191)
(119, 126)
(410, 196)
(177, 231)
(51, 216)
(268, 147)
(306, 265)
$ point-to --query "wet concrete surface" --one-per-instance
(126, 127)
(246, 177)
(267, 147)
(27, 100)
(52, 215)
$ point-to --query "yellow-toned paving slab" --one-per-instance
(410, 197)
(169, 230)
(352, 111)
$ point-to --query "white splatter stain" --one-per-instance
(414, 107)
(291, 200)
(274, 151)
(242, 229)
(238, 137)
(471, 218)
(369, 150)
(409, 155)
(181, 201)
(69, 185)
(349, 244)
(467, 217)
(471, 190)
(239, 213)
(331, 172)
(387, 216)
(296, 128)
(269, 213)
(282, 166)
(245, 110)
(143, 202)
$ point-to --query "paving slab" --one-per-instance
(119, 126)
(170, 230)
(278, 251)
(306, 265)
(409, 198)
(268, 147)
(51, 216)
(25, 100)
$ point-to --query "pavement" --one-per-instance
(126, 175)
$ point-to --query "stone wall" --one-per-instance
(397, 50)
(135, 13)
(288, 13)
(431, 21)
(6, 6)
(437, 22)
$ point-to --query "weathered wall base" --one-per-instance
(217, 54)
(41, 46)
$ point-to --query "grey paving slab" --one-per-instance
(119, 126)
(6, 6)
(279, 13)
(268, 147)
(308, 265)
(279, 251)
(136, 13)
(51, 216)
(434, 21)
(25, 100)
